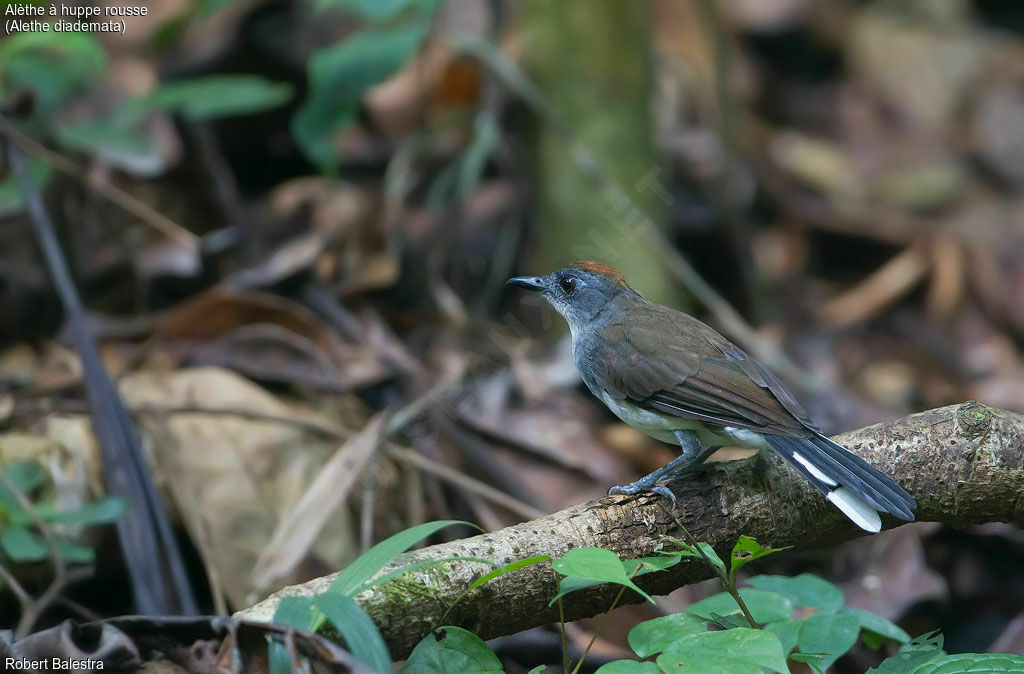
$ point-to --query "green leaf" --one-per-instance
(653, 636)
(980, 663)
(747, 550)
(21, 545)
(628, 667)
(383, 578)
(832, 634)
(294, 612)
(687, 550)
(813, 660)
(356, 576)
(97, 512)
(27, 476)
(788, 631)
(919, 650)
(118, 139)
(216, 96)
(764, 606)
(357, 628)
(728, 622)
(500, 571)
(875, 623)
(378, 10)
(905, 663)
(451, 649)
(590, 565)
(73, 553)
(55, 66)
(649, 564)
(738, 651)
(804, 590)
(538, 669)
(340, 75)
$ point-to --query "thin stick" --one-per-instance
(32, 609)
(126, 201)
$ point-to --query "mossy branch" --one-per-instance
(963, 463)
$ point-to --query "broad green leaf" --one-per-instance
(747, 550)
(340, 75)
(53, 65)
(906, 663)
(357, 628)
(653, 636)
(27, 476)
(21, 545)
(538, 669)
(217, 96)
(813, 660)
(97, 512)
(832, 634)
(73, 553)
(804, 590)
(788, 631)
(738, 651)
(628, 667)
(877, 624)
(975, 663)
(728, 622)
(687, 550)
(764, 606)
(355, 577)
(451, 649)
(592, 564)
(649, 564)
(121, 143)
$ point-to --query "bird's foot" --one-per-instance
(643, 485)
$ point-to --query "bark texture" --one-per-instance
(963, 463)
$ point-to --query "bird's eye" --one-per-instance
(568, 284)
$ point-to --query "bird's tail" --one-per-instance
(849, 482)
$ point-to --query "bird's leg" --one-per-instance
(690, 456)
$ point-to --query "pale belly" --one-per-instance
(663, 427)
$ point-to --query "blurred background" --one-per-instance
(286, 217)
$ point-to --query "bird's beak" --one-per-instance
(532, 283)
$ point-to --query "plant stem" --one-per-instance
(597, 632)
(565, 642)
(731, 589)
(728, 581)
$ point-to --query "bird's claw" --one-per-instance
(665, 492)
(636, 488)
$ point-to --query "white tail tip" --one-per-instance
(859, 512)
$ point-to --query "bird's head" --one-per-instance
(579, 292)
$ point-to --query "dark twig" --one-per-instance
(31, 609)
(151, 552)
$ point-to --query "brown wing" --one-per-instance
(696, 373)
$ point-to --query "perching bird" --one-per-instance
(674, 378)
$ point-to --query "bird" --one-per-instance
(676, 379)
